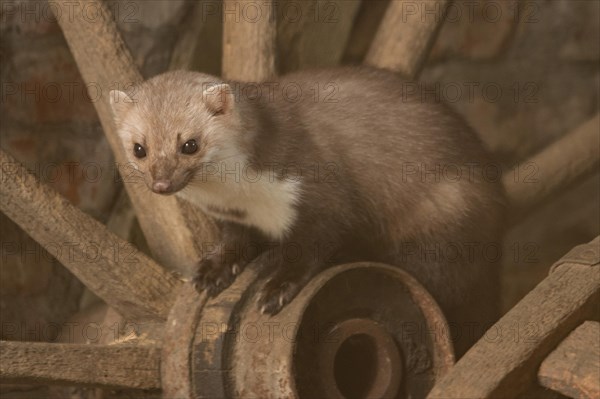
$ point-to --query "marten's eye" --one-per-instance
(189, 147)
(139, 151)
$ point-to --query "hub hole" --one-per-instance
(355, 366)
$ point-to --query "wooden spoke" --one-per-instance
(505, 361)
(406, 35)
(573, 368)
(122, 217)
(120, 365)
(112, 268)
(565, 162)
(105, 64)
(248, 40)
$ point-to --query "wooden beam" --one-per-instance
(116, 366)
(105, 64)
(573, 368)
(314, 34)
(188, 40)
(249, 32)
(112, 268)
(555, 168)
(406, 34)
(505, 361)
(365, 24)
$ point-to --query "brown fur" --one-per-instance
(364, 203)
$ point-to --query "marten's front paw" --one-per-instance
(213, 276)
(277, 293)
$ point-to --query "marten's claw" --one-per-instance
(276, 294)
(213, 276)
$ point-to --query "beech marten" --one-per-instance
(333, 165)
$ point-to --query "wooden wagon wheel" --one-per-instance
(172, 356)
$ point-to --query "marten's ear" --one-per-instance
(218, 98)
(120, 103)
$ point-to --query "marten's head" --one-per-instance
(174, 125)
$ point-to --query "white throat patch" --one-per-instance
(254, 199)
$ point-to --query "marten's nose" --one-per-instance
(161, 186)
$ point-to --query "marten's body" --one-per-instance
(341, 164)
